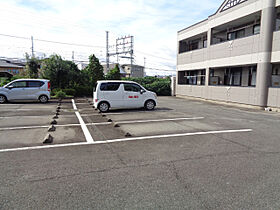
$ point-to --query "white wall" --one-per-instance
(274, 97)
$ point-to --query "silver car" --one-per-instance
(26, 89)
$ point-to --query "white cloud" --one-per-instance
(154, 25)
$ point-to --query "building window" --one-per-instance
(193, 43)
(205, 43)
(252, 76)
(233, 76)
(194, 77)
(256, 29)
(277, 22)
(236, 34)
(191, 77)
(202, 77)
(275, 77)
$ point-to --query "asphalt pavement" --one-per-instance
(186, 154)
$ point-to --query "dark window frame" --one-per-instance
(104, 86)
(39, 82)
(133, 85)
(254, 28)
(19, 86)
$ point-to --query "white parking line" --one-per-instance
(100, 123)
(159, 120)
(46, 126)
(126, 139)
(83, 125)
(74, 105)
(64, 116)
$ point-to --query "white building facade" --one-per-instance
(233, 55)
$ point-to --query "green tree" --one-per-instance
(114, 74)
(61, 73)
(94, 71)
(32, 66)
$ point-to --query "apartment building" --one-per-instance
(233, 55)
(134, 71)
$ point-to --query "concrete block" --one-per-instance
(127, 134)
(54, 122)
(48, 139)
(51, 128)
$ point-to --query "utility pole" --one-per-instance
(144, 65)
(73, 56)
(124, 46)
(107, 50)
(131, 53)
(32, 47)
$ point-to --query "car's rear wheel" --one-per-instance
(3, 99)
(150, 105)
(103, 107)
(43, 99)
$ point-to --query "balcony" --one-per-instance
(192, 56)
(243, 46)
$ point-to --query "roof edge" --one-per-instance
(193, 25)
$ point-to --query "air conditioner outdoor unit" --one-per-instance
(214, 80)
(275, 80)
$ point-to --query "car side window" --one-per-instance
(35, 84)
(110, 86)
(20, 84)
(132, 87)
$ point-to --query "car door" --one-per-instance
(33, 89)
(112, 93)
(132, 95)
(18, 91)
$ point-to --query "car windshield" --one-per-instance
(6, 85)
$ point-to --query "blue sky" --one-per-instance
(153, 23)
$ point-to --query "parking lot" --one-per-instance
(184, 154)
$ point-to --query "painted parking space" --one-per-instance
(28, 124)
(78, 122)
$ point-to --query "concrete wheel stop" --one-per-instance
(48, 139)
(51, 128)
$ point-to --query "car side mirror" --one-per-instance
(10, 87)
(142, 91)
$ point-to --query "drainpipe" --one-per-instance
(264, 66)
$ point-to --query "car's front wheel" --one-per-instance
(43, 99)
(150, 105)
(103, 107)
(3, 99)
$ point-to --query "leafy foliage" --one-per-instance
(32, 66)
(60, 94)
(94, 71)
(62, 74)
(114, 74)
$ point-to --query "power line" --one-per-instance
(160, 69)
(49, 41)
(154, 55)
(41, 19)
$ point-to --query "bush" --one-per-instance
(69, 92)
(83, 90)
(54, 91)
(60, 94)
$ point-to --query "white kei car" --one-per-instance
(122, 94)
